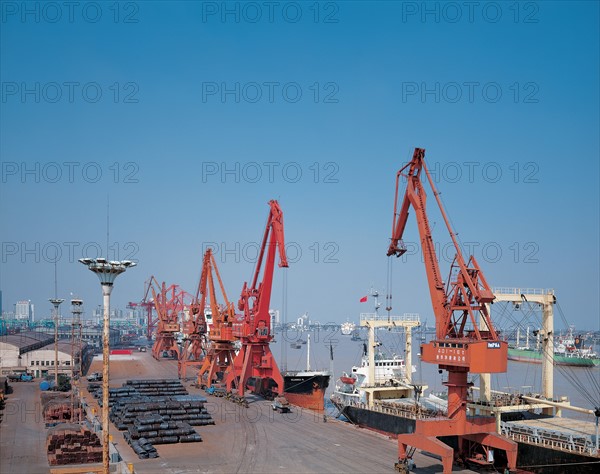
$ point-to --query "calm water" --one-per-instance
(519, 377)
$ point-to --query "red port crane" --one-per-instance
(221, 353)
(255, 366)
(169, 303)
(465, 341)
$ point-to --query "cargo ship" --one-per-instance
(306, 388)
(568, 350)
(378, 394)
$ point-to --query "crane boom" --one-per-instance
(416, 197)
(456, 304)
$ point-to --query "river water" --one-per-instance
(520, 376)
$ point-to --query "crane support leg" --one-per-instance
(494, 440)
(427, 443)
(254, 360)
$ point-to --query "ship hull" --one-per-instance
(381, 422)
(535, 357)
(306, 390)
(542, 460)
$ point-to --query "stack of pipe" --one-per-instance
(156, 412)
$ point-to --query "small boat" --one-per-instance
(347, 380)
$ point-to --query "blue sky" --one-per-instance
(504, 99)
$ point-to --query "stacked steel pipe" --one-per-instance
(156, 412)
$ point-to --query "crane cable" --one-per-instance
(389, 279)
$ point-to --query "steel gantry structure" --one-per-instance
(169, 304)
(221, 352)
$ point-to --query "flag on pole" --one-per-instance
(363, 299)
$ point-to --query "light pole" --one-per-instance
(107, 272)
(56, 303)
(77, 310)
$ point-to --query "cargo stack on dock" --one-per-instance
(58, 407)
(156, 412)
(72, 444)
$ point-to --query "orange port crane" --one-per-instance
(148, 305)
(169, 303)
(465, 341)
(194, 332)
(254, 366)
(221, 353)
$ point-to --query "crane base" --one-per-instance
(164, 343)
(426, 433)
(220, 360)
(254, 361)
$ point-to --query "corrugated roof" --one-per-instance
(26, 341)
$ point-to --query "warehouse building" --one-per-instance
(33, 352)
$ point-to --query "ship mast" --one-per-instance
(308, 353)
(373, 321)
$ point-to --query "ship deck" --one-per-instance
(569, 436)
(253, 439)
(566, 426)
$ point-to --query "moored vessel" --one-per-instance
(379, 393)
(306, 388)
(568, 350)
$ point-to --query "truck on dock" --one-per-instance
(216, 391)
(95, 377)
(22, 377)
(281, 405)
